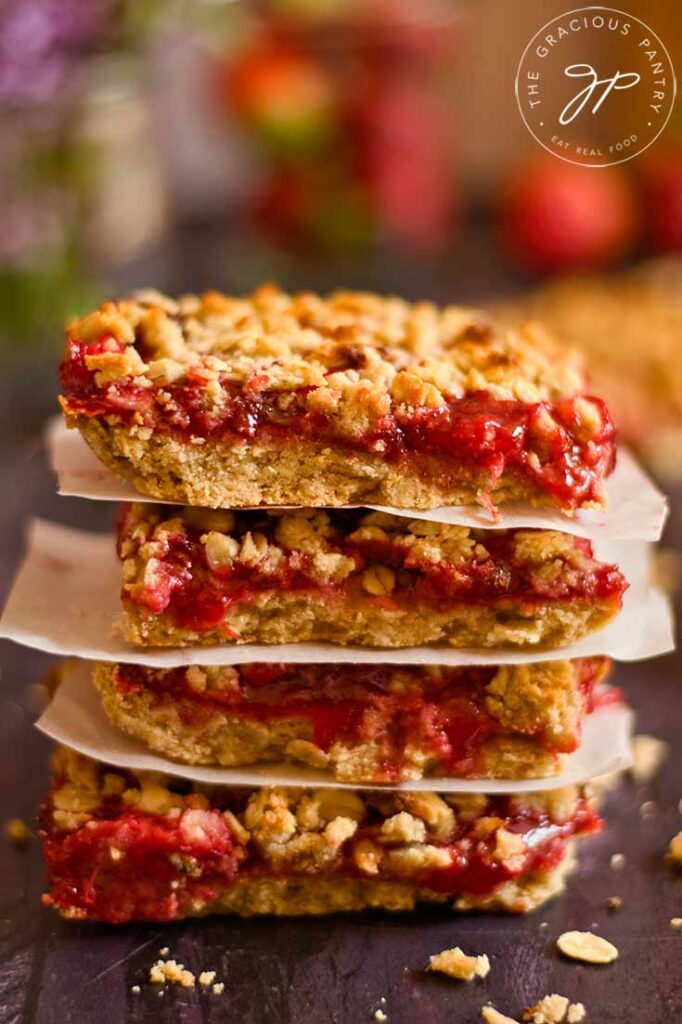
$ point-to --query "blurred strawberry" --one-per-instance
(398, 137)
(284, 95)
(662, 183)
(556, 216)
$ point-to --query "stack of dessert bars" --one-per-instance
(330, 613)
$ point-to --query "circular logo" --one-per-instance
(595, 86)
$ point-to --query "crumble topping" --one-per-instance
(457, 964)
(386, 380)
(164, 553)
(588, 947)
(162, 848)
(360, 353)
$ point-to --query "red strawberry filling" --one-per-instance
(442, 710)
(124, 864)
(546, 443)
(198, 596)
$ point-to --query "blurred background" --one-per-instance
(188, 144)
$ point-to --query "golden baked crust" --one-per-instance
(151, 381)
(124, 845)
(192, 576)
(224, 475)
(522, 720)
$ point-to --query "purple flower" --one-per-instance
(41, 42)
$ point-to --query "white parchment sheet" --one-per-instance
(637, 510)
(76, 719)
(65, 601)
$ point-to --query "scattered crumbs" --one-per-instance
(164, 952)
(675, 849)
(380, 1015)
(648, 753)
(383, 1000)
(576, 1013)
(171, 971)
(614, 902)
(492, 1016)
(617, 861)
(207, 977)
(676, 922)
(218, 988)
(588, 947)
(135, 989)
(550, 1010)
(555, 1009)
(648, 808)
(18, 831)
(457, 964)
(544, 924)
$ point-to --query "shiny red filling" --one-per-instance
(198, 596)
(442, 710)
(474, 432)
(162, 866)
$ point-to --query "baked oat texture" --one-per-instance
(527, 698)
(361, 357)
(351, 606)
(303, 837)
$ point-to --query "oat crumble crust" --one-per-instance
(555, 1009)
(352, 577)
(534, 706)
(294, 851)
(459, 965)
(353, 359)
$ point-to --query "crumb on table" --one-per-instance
(457, 964)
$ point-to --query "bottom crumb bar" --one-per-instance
(362, 723)
(121, 847)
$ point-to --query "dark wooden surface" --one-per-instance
(333, 971)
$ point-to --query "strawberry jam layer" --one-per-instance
(438, 709)
(198, 596)
(124, 864)
(551, 445)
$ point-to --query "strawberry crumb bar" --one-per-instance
(275, 399)
(364, 723)
(196, 576)
(121, 847)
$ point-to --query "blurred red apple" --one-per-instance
(662, 181)
(556, 216)
(286, 96)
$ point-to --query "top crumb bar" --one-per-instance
(279, 399)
